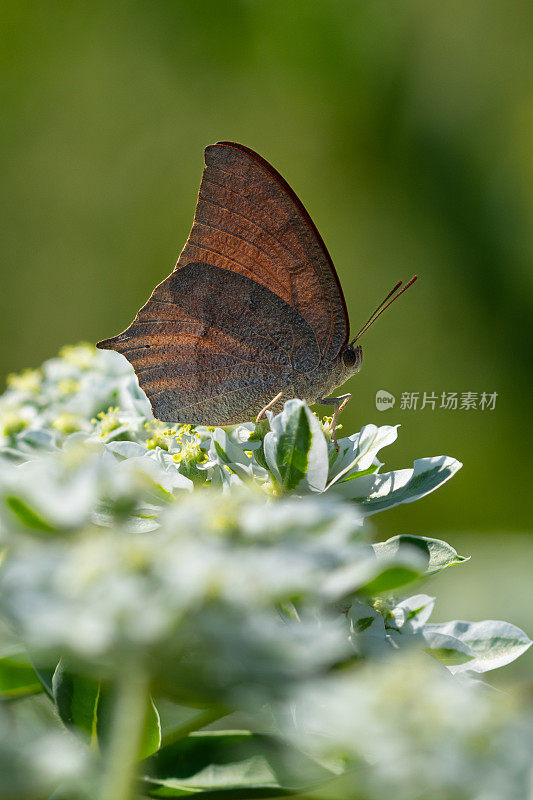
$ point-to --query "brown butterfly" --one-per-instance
(253, 313)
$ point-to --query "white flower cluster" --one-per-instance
(408, 729)
(232, 568)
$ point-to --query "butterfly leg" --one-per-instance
(268, 406)
(339, 403)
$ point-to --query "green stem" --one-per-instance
(131, 703)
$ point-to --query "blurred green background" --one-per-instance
(407, 130)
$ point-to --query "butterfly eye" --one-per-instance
(352, 356)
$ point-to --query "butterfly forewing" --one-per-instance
(249, 220)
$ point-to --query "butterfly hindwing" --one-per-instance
(213, 347)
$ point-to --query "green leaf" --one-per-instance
(449, 656)
(151, 738)
(259, 456)
(447, 649)
(359, 474)
(17, 676)
(390, 578)
(493, 643)
(87, 705)
(151, 735)
(370, 575)
(438, 554)
(230, 764)
(26, 516)
(77, 698)
(295, 449)
(45, 675)
(378, 492)
(220, 452)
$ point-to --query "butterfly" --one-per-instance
(253, 312)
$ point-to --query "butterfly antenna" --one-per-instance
(385, 303)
